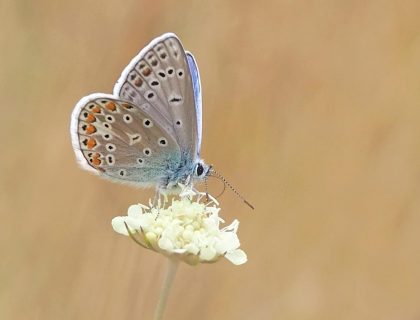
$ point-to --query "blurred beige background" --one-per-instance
(311, 109)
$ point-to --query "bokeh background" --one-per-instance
(311, 109)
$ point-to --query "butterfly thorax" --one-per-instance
(186, 173)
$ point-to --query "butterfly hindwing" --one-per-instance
(120, 141)
(160, 76)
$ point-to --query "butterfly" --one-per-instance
(148, 132)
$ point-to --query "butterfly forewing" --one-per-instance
(121, 141)
(195, 77)
(160, 76)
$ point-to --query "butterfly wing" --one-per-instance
(121, 141)
(195, 77)
(163, 74)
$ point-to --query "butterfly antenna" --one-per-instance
(216, 174)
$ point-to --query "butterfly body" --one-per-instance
(148, 132)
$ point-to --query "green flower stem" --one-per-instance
(166, 287)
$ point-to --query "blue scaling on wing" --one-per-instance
(195, 76)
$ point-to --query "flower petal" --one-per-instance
(119, 226)
(232, 227)
(208, 253)
(135, 211)
(192, 248)
(228, 241)
(237, 257)
(165, 244)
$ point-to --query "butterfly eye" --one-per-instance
(199, 170)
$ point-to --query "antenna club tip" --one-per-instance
(249, 205)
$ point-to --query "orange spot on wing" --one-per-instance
(138, 82)
(147, 72)
(91, 143)
(111, 106)
(90, 118)
(96, 161)
(96, 109)
(90, 129)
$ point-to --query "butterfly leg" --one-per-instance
(207, 190)
(156, 198)
(156, 201)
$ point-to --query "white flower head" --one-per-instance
(187, 229)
